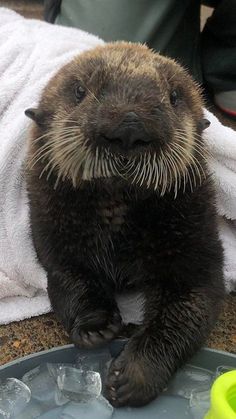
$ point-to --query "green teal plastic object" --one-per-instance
(223, 397)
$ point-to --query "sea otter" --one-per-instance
(121, 200)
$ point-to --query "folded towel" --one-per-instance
(31, 52)
(221, 143)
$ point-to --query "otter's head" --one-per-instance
(122, 112)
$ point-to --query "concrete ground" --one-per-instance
(44, 332)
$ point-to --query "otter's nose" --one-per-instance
(130, 134)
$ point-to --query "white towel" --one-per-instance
(31, 51)
(221, 143)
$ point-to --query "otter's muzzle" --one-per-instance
(129, 135)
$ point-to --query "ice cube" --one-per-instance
(188, 379)
(43, 386)
(14, 396)
(52, 414)
(164, 407)
(99, 408)
(31, 411)
(53, 368)
(77, 385)
(94, 360)
(199, 403)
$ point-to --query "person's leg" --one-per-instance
(51, 10)
(219, 55)
(169, 26)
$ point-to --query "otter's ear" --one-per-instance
(204, 123)
(34, 114)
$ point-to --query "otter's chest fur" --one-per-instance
(108, 234)
(123, 240)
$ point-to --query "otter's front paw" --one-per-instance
(95, 329)
(131, 381)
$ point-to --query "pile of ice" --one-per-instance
(75, 391)
(194, 385)
(59, 391)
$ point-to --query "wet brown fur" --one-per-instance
(104, 235)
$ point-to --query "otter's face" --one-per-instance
(120, 111)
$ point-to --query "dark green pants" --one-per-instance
(218, 48)
(169, 26)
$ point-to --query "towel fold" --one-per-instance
(31, 51)
(221, 142)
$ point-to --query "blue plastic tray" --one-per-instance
(161, 408)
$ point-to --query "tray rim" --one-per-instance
(70, 346)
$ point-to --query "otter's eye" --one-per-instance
(174, 98)
(79, 92)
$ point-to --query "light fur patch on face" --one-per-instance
(142, 61)
(187, 152)
(64, 150)
(143, 70)
(190, 131)
(68, 154)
